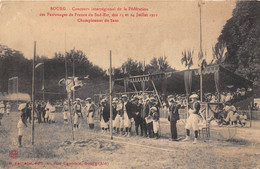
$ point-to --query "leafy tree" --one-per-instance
(241, 35)
(218, 53)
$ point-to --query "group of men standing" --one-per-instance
(126, 112)
(79, 111)
(143, 113)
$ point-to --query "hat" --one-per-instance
(115, 100)
(136, 98)
(171, 100)
(124, 96)
(103, 100)
(77, 99)
(153, 108)
(170, 96)
(194, 96)
(208, 94)
(88, 98)
(22, 106)
(65, 102)
(152, 99)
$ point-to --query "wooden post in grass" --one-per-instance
(250, 111)
(110, 96)
(33, 107)
(68, 95)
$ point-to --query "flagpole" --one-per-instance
(33, 92)
(110, 96)
(201, 80)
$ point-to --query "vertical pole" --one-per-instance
(200, 28)
(250, 111)
(73, 75)
(201, 87)
(187, 107)
(68, 94)
(33, 92)
(201, 92)
(17, 90)
(157, 94)
(43, 90)
(110, 96)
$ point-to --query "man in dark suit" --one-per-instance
(144, 114)
(173, 117)
(136, 109)
(105, 114)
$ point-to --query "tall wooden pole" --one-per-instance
(110, 96)
(201, 86)
(68, 94)
(33, 69)
(201, 80)
(43, 90)
(73, 74)
(200, 3)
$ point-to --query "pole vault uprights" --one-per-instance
(144, 78)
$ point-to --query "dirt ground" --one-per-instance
(228, 147)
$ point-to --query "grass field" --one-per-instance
(54, 148)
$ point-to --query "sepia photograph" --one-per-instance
(167, 84)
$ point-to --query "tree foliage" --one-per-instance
(241, 35)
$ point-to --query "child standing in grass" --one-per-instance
(22, 122)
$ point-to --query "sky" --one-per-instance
(175, 29)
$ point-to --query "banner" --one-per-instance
(188, 81)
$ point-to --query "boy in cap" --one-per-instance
(193, 119)
(149, 121)
(90, 110)
(156, 125)
(22, 122)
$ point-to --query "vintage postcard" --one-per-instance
(129, 84)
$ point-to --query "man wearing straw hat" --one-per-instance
(173, 117)
(194, 119)
(90, 110)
